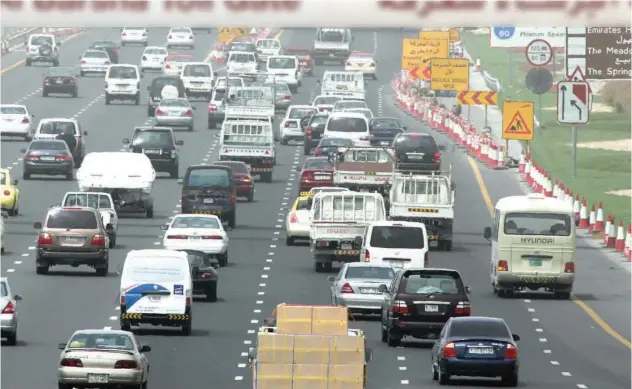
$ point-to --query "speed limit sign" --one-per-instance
(539, 52)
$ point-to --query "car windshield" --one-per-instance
(281, 63)
(366, 112)
(299, 113)
(241, 58)
(350, 104)
(123, 73)
(268, 44)
(3, 289)
(195, 222)
(197, 71)
(326, 100)
(431, 283)
(156, 51)
(182, 103)
(48, 145)
(134, 28)
(208, 177)
(95, 54)
(3, 178)
(416, 141)
(159, 83)
(72, 220)
(385, 123)
(240, 168)
(13, 110)
(473, 328)
(279, 87)
(88, 200)
(60, 72)
(318, 163)
(318, 121)
(152, 139)
(101, 341)
(346, 124)
(38, 40)
(369, 273)
(179, 58)
(57, 127)
(393, 237)
(548, 224)
(332, 142)
(242, 46)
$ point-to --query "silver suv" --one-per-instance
(42, 48)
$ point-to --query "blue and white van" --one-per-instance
(156, 289)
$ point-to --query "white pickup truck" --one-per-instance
(251, 102)
(364, 169)
(332, 44)
(339, 220)
(99, 200)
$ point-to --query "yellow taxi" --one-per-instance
(10, 197)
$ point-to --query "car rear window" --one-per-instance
(198, 258)
(3, 290)
(13, 111)
(548, 224)
(393, 237)
(240, 168)
(305, 204)
(415, 141)
(299, 113)
(48, 145)
(95, 54)
(208, 177)
(160, 271)
(53, 127)
(318, 163)
(326, 100)
(350, 104)
(181, 30)
(385, 123)
(72, 220)
(468, 328)
(370, 273)
(425, 283)
(346, 124)
(101, 341)
(194, 222)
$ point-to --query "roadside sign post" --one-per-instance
(416, 55)
(518, 120)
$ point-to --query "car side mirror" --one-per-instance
(468, 289)
(195, 270)
(15, 182)
(382, 288)
(37, 225)
(252, 354)
(85, 133)
(164, 227)
(179, 142)
(317, 82)
(119, 269)
(145, 349)
(441, 147)
(126, 141)
(487, 233)
(109, 226)
(404, 128)
(17, 297)
(193, 107)
(331, 278)
(61, 346)
(357, 241)
(180, 181)
(299, 168)
(148, 87)
(515, 337)
(22, 150)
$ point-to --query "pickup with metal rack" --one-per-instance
(364, 169)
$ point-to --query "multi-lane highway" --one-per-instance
(565, 344)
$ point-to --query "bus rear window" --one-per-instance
(390, 237)
(547, 224)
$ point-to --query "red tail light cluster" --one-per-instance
(367, 256)
(44, 239)
(463, 308)
(98, 240)
(569, 267)
(288, 97)
(502, 265)
(308, 131)
(206, 275)
(123, 364)
(399, 306)
(159, 112)
(293, 218)
(511, 352)
(188, 113)
(9, 308)
(123, 33)
(190, 36)
(212, 108)
(177, 237)
(6, 193)
(346, 288)
(71, 362)
(318, 152)
(449, 350)
(167, 66)
(83, 62)
(65, 157)
(169, 37)
(25, 120)
(436, 157)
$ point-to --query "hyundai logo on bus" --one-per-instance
(537, 240)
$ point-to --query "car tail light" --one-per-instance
(308, 131)
(267, 152)
(167, 66)
(169, 37)
(233, 198)
(123, 364)
(46, 80)
(79, 142)
(115, 51)
(288, 97)
(123, 33)
(463, 308)
(177, 237)
(6, 193)
(511, 352)
(318, 152)
(82, 61)
(569, 267)
(72, 80)
(122, 300)
(187, 300)
(212, 108)
(449, 350)
(287, 124)
(44, 239)
(71, 362)
(190, 36)
(426, 259)
(159, 112)
(372, 64)
(364, 138)
(106, 62)
(346, 288)
(206, 275)
(9, 308)
(144, 33)
(436, 157)
(321, 109)
(25, 120)
(98, 240)
(184, 200)
(293, 218)
(212, 237)
(65, 157)
(367, 256)
(307, 176)
(188, 113)
(399, 306)
(502, 265)
(31, 156)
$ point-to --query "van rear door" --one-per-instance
(156, 298)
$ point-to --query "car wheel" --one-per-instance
(27, 62)
(328, 267)
(443, 379)
(186, 329)
(75, 93)
(384, 335)
(190, 128)
(211, 293)
(173, 173)
(558, 295)
(41, 269)
(107, 99)
(70, 176)
(511, 380)
(12, 338)
(137, 99)
(125, 326)
(289, 240)
(435, 375)
(13, 212)
(250, 197)
(391, 340)
(44, 93)
(150, 112)
(223, 259)
(55, 63)
(82, 73)
(63, 386)
(112, 241)
(283, 141)
(306, 151)
(150, 212)
(102, 271)
(26, 175)
(318, 267)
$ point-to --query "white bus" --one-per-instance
(533, 245)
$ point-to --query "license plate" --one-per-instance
(416, 156)
(431, 308)
(47, 158)
(332, 55)
(98, 378)
(535, 262)
(369, 290)
(194, 237)
(151, 151)
(155, 59)
(7, 119)
(73, 240)
(59, 81)
(346, 246)
(208, 201)
(153, 299)
(385, 143)
(321, 178)
(480, 350)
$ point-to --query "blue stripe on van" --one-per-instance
(133, 295)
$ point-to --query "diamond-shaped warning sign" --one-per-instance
(518, 120)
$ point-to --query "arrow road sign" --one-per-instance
(477, 98)
(573, 102)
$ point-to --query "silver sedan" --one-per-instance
(98, 358)
(9, 315)
(357, 286)
(175, 113)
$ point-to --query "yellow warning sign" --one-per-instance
(450, 74)
(434, 35)
(240, 32)
(518, 120)
(417, 52)
(225, 34)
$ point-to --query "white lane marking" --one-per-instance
(535, 319)
(241, 365)
(531, 309)
(555, 363)
(10, 270)
(257, 311)
(527, 301)
(113, 318)
(17, 262)
(107, 328)
(264, 276)
(582, 386)
(272, 246)
(261, 293)
(543, 340)
(238, 377)
(262, 285)
(566, 374)
(259, 302)
(268, 260)
(404, 382)
(402, 368)
(254, 321)
(244, 355)
(266, 268)
(539, 330)
(547, 351)
(251, 331)
(401, 358)
(247, 341)
(31, 248)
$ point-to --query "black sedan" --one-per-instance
(383, 130)
(111, 47)
(476, 346)
(60, 80)
(49, 157)
(204, 273)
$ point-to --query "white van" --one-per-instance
(348, 125)
(122, 82)
(399, 243)
(285, 68)
(156, 289)
(533, 245)
(198, 79)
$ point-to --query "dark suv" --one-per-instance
(383, 130)
(111, 47)
(73, 236)
(159, 145)
(313, 127)
(155, 91)
(417, 152)
(210, 189)
(420, 301)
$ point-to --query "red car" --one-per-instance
(304, 57)
(316, 171)
(243, 180)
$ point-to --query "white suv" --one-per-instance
(42, 48)
(122, 82)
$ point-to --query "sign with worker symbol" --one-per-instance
(518, 120)
(225, 34)
(573, 102)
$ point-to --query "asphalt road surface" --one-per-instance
(562, 347)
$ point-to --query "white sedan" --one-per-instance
(134, 35)
(197, 232)
(363, 63)
(291, 123)
(153, 58)
(298, 221)
(183, 37)
(15, 120)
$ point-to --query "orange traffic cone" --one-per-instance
(522, 163)
(611, 236)
(576, 205)
(627, 250)
(583, 216)
(619, 244)
(606, 230)
(599, 220)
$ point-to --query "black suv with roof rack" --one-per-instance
(417, 152)
(420, 301)
(159, 145)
